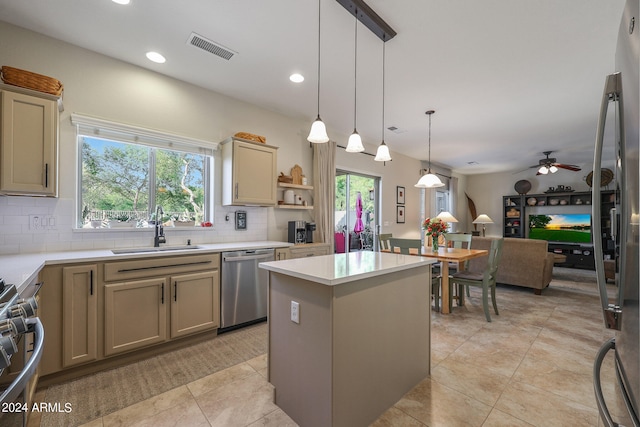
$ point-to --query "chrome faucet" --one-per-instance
(158, 236)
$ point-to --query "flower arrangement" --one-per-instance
(434, 227)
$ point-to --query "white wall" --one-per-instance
(100, 86)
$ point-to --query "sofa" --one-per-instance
(524, 262)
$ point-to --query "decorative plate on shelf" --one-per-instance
(523, 186)
(606, 176)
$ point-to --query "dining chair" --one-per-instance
(383, 241)
(412, 247)
(404, 246)
(452, 240)
(460, 241)
(485, 280)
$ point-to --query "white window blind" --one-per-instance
(102, 128)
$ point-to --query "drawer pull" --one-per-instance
(126, 270)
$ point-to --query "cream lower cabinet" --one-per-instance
(308, 250)
(282, 254)
(79, 314)
(28, 143)
(92, 312)
(195, 302)
(135, 315)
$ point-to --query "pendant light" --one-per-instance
(382, 155)
(318, 133)
(429, 180)
(354, 145)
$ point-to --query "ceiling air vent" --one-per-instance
(210, 46)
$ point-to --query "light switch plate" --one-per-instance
(241, 220)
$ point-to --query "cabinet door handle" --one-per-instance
(91, 282)
(46, 175)
(236, 190)
(175, 290)
(162, 294)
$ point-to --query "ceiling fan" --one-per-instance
(549, 164)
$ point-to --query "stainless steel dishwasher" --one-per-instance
(243, 290)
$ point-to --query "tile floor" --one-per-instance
(532, 366)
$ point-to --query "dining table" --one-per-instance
(446, 255)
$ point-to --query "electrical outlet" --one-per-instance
(295, 312)
(35, 222)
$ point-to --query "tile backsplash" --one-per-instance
(41, 224)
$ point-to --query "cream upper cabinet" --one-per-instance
(28, 143)
(249, 173)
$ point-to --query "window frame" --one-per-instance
(89, 127)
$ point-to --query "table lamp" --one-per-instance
(483, 219)
(446, 217)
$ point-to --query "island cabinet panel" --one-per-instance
(357, 349)
(135, 315)
(80, 314)
(195, 302)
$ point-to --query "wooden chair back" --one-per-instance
(383, 241)
(495, 251)
(405, 246)
(460, 241)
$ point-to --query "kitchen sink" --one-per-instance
(154, 249)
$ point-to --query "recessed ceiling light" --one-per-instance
(296, 78)
(121, 1)
(156, 57)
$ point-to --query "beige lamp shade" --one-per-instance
(446, 217)
(483, 219)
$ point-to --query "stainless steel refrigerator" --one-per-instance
(620, 313)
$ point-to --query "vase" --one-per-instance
(434, 243)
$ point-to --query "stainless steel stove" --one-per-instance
(17, 320)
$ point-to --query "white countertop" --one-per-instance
(336, 269)
(21, 269)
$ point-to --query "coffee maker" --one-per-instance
(297, 232)
(310, 227)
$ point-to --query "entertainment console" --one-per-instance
(578, 255)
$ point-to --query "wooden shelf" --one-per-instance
(298, 186)
(294, 207)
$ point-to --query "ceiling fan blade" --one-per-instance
(568, 167)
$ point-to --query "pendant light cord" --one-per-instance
(429, 143)
(355, 76)
(318, 58)
(429, 113)
(383, 61)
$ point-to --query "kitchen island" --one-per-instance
(349, 334)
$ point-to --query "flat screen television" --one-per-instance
(570, 227)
